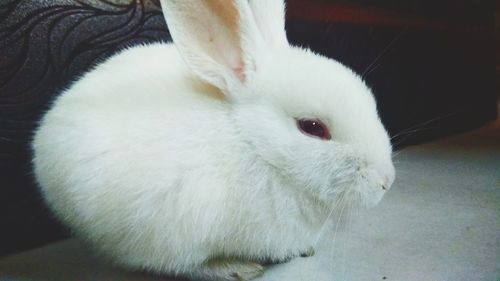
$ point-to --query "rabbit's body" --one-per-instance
(133, 153)
(211, 158)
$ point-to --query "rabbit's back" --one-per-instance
(117, 150)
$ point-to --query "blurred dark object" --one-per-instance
(44, 45)
(431, 65)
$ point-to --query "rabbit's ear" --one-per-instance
(270, 18)
(219, 39)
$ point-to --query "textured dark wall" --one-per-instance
(435, 82)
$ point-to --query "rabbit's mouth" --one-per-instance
(369, 188)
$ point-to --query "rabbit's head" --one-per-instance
(313, 120)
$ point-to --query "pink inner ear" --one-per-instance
(239, 71)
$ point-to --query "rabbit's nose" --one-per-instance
(388, 177)
(386, 182)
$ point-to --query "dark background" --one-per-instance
(430, 63)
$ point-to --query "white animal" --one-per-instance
(209, 157)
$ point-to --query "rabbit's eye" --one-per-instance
(314, 127)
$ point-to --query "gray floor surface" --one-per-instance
(439, 222)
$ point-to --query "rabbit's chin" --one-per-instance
(362, 195)
(371, 195)
(372, 198)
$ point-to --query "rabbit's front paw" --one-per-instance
(229, 270)
(247, 271)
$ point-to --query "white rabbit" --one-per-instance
(208, 159)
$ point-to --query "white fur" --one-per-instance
(160, 170)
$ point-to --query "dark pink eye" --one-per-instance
(314, 127)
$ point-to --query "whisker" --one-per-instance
(354, 203)
(371, 70)
(420, 125)
(339, 202)
(343, 205)
(396, 154)
(396, 163)
(402, 172)
(417, 130)
(384, 51)
(325, 223)
(349, 226)
(412, 133)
